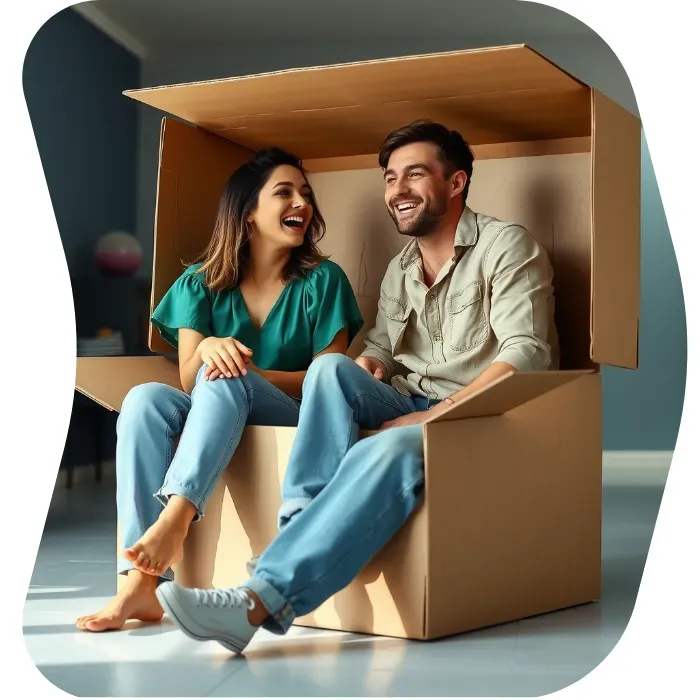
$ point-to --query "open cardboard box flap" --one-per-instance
(510, 391)
(494, 95)
(107, 380)
(337, 113)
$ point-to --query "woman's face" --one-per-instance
(284, 209)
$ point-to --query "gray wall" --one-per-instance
(641, 409)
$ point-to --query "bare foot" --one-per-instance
(162, 544)
(136, 601)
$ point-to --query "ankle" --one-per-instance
(179, 513)
(259, 613)
(138, 579)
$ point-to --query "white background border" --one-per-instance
(657, 655)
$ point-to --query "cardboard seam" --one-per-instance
(422, 100)
(591, 295)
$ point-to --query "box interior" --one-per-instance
(551, 154)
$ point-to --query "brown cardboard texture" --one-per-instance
(510, 524)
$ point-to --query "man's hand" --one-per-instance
(419, 417)
(372, 365)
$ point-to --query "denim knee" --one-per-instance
(392, 453)
(327, 368)
(237, 389)
(145, 401)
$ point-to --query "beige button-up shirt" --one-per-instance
(492, 302)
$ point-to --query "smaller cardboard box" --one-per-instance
(510, 525)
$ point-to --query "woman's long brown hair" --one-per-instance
(226, 257)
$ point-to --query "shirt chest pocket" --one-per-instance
(467, 325)
(396, 313)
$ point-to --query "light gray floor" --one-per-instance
(74, 575)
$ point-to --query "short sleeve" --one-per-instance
(187, 304)
(331, 305)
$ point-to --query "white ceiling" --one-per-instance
(147, 26)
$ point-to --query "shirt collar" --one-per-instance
(466, 235)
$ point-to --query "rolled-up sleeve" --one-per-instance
(377, 346)
(522, 300)
(377, 343)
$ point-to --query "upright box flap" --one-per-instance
(509, 392)
(107, 380)
(496, 95)
(194, 167)
(616, 224)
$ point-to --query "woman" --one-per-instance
(247, 321)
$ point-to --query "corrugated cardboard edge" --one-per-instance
(508, 392)
(556, 65)
(615, 228)
(107, 380)
(155, 342)
(333, 66)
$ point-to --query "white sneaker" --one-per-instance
(204, 615)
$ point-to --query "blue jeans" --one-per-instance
(347, 497)
(210, 423)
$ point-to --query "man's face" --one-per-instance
(417, 193)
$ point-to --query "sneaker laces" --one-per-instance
(224, 598)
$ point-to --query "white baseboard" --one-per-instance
(642, 468)
(623, 468)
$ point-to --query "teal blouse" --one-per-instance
(303, 321)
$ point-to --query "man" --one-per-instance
(468, 300)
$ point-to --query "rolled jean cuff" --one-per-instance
(167, 490)
(281, 612)
(291, 507)
(124, 566)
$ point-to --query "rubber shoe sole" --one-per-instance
(172, 607)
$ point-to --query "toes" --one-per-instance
(131, 554)
(143, 564)
(98, 625)
(82, 621)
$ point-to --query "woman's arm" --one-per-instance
(290, 382)
(189, 358)
(227, 356)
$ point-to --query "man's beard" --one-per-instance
(422, 225)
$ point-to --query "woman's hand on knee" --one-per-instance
(227, 357)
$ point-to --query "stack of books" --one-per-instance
(101, 346)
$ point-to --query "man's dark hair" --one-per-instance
(454, 152)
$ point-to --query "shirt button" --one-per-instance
(437, 338)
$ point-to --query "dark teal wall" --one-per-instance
(86, 130)
(87, 136)
(642, 409)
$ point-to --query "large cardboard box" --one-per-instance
(511, 521)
